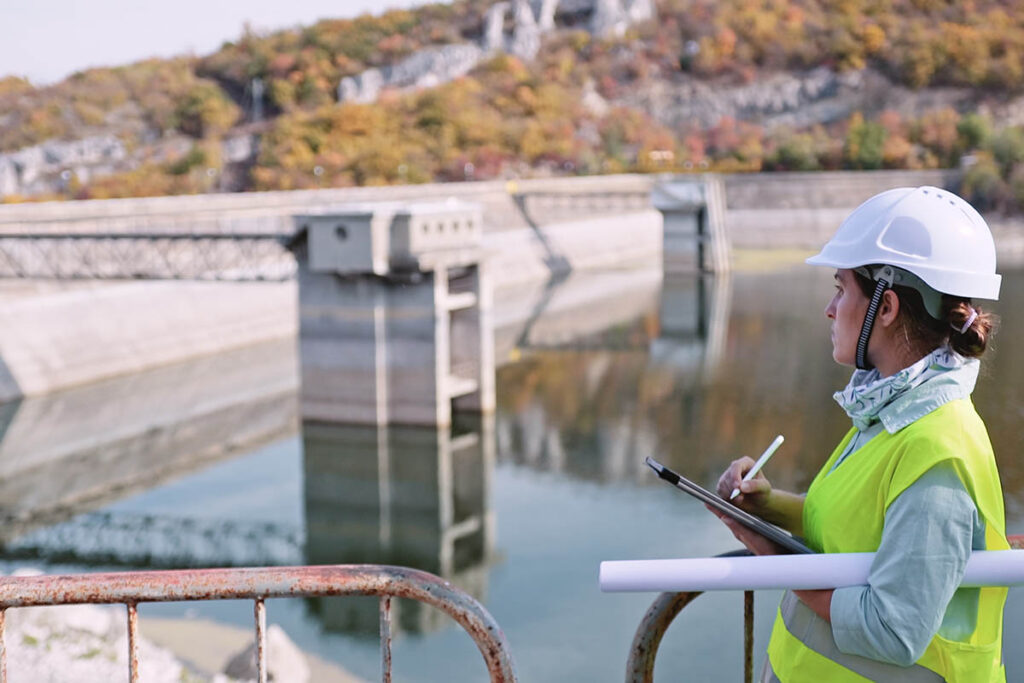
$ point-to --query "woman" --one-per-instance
(915, 478)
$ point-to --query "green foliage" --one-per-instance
(983, 185)
(974, 131)
(194, 158)
(12, 85)
(1016, 186)
(864, 144)
(794, 152)
(305, 65)
(205, 110)
(1007, 147)
(160, 94)
(509, 118)
(471, 128)
(937, 131)
(919, 42)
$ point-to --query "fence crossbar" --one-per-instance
(259, 584)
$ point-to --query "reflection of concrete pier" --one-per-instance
(596, 414)
(409, 496)
(73, 451)
(694, 315)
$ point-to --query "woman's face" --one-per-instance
(846, 311)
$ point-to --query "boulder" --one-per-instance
(285, 661)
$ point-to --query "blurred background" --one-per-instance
(595, 216)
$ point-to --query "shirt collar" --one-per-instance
(913, 392)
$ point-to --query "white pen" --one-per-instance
(760, 463)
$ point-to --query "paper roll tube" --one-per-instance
(985, 568)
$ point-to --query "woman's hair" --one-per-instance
(924, 333)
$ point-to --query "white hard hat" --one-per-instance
(929, 232)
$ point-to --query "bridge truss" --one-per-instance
(236, 257)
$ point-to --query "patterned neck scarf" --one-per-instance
(914, 391)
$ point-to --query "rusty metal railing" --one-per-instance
(659, 616)
(661, 613)
(259, 584)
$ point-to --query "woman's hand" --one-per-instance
(755, 542)
(758, 497)
(754, 495)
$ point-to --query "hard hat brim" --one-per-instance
(941, 280)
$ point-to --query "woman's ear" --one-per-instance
(889, 309)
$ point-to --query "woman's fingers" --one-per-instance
(759, 484)
(755, 542)
(733, 475)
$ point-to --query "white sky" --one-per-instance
(46, 40)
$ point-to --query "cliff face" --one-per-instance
(57, 166)
(530, 22)
(589, 86)
(515, 27)
(795, 99)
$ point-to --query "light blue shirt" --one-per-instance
(930, 529)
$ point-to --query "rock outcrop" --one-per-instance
(545, 10)
(494, 27)
(427, 68)
(53, 165)
(526, 35)
(82, 643)
(37, 169)
(796, 100)
(285, 661)
(531, 20)
(74, 643)
(611, 18)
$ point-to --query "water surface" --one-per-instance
(520, 509)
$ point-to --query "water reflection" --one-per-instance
(694, 321)
(595, 413)
(416, 497)
(711, 369)
(78, 450)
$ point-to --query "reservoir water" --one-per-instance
(519, 510)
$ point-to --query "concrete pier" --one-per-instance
(694, 238)
(394, 315)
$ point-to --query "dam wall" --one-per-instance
(536, 233)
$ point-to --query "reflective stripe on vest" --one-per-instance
(816, 634)
(768, 673)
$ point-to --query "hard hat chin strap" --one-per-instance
(883, 281)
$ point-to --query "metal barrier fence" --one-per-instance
(235, 257)
(259, 584)
(661, 613)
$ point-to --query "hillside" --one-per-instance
(477, 89)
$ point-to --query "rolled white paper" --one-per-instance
(985, 568)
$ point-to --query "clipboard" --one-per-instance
(769, 531)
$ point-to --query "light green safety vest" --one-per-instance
(844, 513)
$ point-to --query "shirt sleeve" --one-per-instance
(926, 542)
